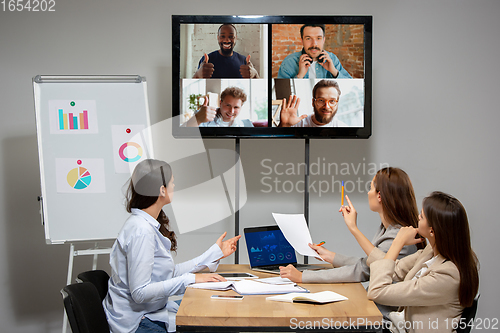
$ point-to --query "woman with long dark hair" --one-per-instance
(391, 196)
(438, 282)
(143, 273)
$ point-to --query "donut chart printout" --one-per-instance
(128, 148)
(85, 175)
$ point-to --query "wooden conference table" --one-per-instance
(199, 313)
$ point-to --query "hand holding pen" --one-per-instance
(350, 214)
(325, 254)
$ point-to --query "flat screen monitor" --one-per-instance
(272, 76)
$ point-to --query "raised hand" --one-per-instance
(206, 113)
(206, 69)
(229, 246)
(350, 215)
(288, 114)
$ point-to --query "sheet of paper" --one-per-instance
(223, 285)
(128, 148)
(73, 117)
(296, 232)
(252, 287)
(276, 280)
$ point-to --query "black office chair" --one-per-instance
(84, 308)
(98, 278)
(468, 315)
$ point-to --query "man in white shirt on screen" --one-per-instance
(326, 94)
(231, 102)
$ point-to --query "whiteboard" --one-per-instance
(86, 147)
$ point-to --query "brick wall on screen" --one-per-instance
(346, 41)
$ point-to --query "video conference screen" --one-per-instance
(272, 76)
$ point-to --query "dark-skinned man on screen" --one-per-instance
(225, 62)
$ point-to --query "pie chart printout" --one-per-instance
(79, 178)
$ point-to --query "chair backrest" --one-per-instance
(84, 308)
(98, 278)
(467, 315)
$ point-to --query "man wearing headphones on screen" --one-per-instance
(326, 94)
(313, 62)
(225, 62)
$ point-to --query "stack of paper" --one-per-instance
(320, 297)
(276, 280)
(250, 287)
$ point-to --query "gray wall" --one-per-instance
(435, 71)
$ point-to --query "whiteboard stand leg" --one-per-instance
(68, 281)
(65, 321)
(72, 254)
(70, 264)
(94, 263)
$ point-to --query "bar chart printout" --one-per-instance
(73, 117)
(73, 121)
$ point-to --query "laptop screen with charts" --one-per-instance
(268, 249)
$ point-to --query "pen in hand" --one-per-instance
(320, 243)
(342, 195)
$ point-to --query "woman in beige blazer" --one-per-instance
(436, 282)
(391, 195)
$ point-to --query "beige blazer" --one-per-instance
(430, 302)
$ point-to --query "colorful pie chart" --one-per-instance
(79, 178)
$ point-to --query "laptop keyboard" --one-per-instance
(273, 267)
(277, 267)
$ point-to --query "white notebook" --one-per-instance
(319, 297)
(250, 287)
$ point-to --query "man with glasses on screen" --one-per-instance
(225, 62)
(231, 101)
(313, 62)
(326, 94)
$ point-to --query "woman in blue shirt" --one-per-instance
(143, 272)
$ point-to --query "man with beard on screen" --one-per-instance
(313, 61)
(326, 94)
(225, 62)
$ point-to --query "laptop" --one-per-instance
(268, 249)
